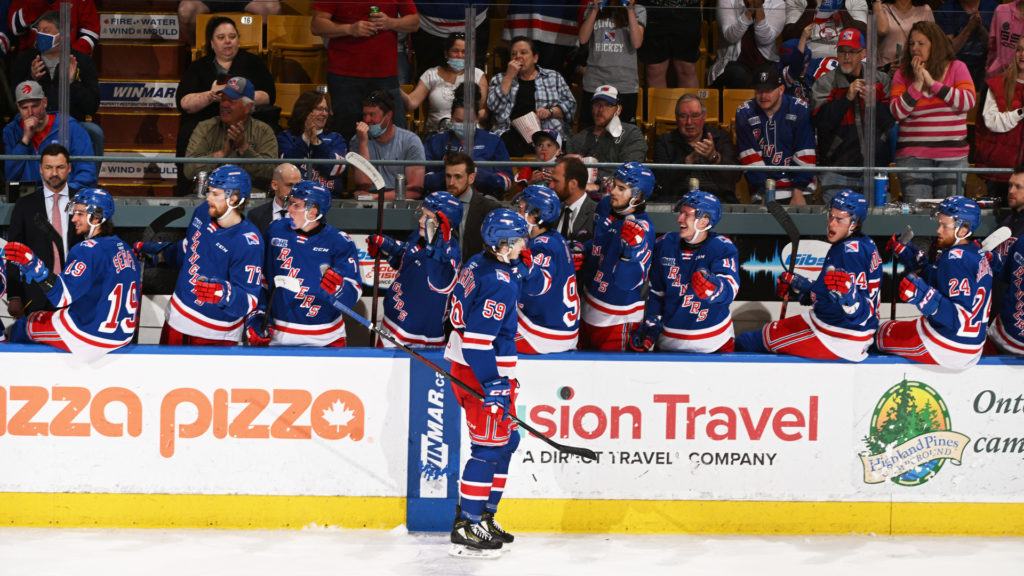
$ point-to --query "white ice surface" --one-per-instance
(106, 552)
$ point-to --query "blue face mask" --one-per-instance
(457, 64)
(377, 130)
(460, 130)
(45, 42)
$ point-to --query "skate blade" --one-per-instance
(463, 551)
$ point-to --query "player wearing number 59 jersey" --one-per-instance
(96, 296)
(549, 307)
(952, 294)
(694, 279)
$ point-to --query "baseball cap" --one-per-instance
(606, 93)
(767, 77)
(548, 134)
(851, 38)
(239, 87)
(28, 90)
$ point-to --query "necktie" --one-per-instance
(565, 222)
(56, 219)
(281, 213)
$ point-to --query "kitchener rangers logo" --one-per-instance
(233, 84)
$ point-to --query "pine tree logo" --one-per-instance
(910, 437)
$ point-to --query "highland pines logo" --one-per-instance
(911, 436)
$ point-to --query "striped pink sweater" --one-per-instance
(933, 126)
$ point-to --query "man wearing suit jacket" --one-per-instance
(569, 181)
(459, 176)
(54, 170)
(285, 176)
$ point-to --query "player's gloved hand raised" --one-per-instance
(383, 245)
(212, 291)
(840, 287)
(632, 236)
(32, 268)
(911, 256)
(444, 226)
(645, 334)
(996, 262)
(498, 397)
(914, 290)
(577, 249)
(254, 331)
(793, 284)
(705, 284)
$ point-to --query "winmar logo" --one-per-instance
(910, 436)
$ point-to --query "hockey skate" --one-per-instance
(497, 531)
(473, 541)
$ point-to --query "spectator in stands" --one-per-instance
(199, 92)
(85, 21)
(7, 107)
(523, 89)
(826, 18)
(895, 20)
(234, 134)
(547, 146)
(774, 129)
(493, 181)
(1007, 27)
(189, 9)
(550, 25)
(33, 129)
(362, 54)
(285, 176)
(49, 200)
(672, 36)
(612, 32)
(377, 138)
(930, 98)
(306, 137)
(41, 63)
(799, 68)
(999, 133)
(569, 180)
(440, 85)
(838, 104)
(459, 177)
(438, 20)
(748, 30)
(609, 139)
(1002, 265)
(966, 24)
(694, 142)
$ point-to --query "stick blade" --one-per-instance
(1001, 234)
(288, 283)
(577, 451)
(907, 235)
(161, 222)
(364, 166)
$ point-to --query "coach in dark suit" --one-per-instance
(33, 223)
(459, 176)
(569, 181)
(285, 176)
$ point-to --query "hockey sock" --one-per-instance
(501, 473)
(475, 488)
(750, 342)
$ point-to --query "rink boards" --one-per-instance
(358, 438)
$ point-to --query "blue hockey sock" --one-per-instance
(475, 488)
(752, 341)
(501, 472)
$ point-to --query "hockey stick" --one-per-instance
(1000, 235)
(155, 227)
(905, 238)
(574, 450)
(782, 217)
(364, 166)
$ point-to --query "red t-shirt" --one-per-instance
(372, 57)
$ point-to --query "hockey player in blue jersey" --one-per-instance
(221, 259)
(97, 296)
(694, 279)
(300, 312)
(953, 294)
(482, 351)
(428, 264)
(549, 306)
(3, 292)
(1006, 333)
(844, 298)
(617, 260)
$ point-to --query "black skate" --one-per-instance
(496, 530)
(473, 541)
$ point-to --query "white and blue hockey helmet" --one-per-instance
(963, 210)
(639, 178)
(704, 203)
(446, 204)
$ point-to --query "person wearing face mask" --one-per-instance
(307, 136)
(299, 246)
(220, 262)
(441, 85)
(40, 63)
(85, 21)
(694, 279)
(377, 138)
(844, 299)
(491, 180)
